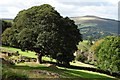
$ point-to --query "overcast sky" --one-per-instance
(70, 8)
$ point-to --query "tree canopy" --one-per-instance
(43, 30)
(108, 54)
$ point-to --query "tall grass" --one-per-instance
(8, 74)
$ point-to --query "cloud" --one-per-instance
(70, 8)
(112, 1)
(103, 9)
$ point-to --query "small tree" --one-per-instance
(108, 54)
(5, 25)
(9, 37)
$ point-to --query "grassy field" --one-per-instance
(29, 53)
(33, 70)
(32, 54)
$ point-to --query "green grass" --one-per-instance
(77, 63)
(63, 72)
(32, 54)
(23, 53)
(28, 68)
(26, 53)
(45, 58)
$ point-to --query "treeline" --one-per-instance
(104, 54)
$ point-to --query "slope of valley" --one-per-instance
(96, 27)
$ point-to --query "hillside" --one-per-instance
(96, 27)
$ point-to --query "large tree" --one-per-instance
(43, 30)
(108, 54)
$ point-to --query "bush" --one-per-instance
(80, 57)
(108, 54)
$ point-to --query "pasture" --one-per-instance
(35, 70)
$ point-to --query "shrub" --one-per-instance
(80, 57)
(108, 54)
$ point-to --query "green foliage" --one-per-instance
(80, 57)
(26, 39)
(5, 25)
(95, 45)
(90, 40)
(43, 30)
(9, 37)
(108, 54)
(83, 46)
(5, 36)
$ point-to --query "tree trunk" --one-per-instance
(39, 58)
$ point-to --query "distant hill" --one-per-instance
(7, 18)
(96, 27)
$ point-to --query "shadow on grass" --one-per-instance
(66, 73)
(87, 75)
(86, 68)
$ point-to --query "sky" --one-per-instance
(70, 8)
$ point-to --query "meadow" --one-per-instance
(35, 70)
